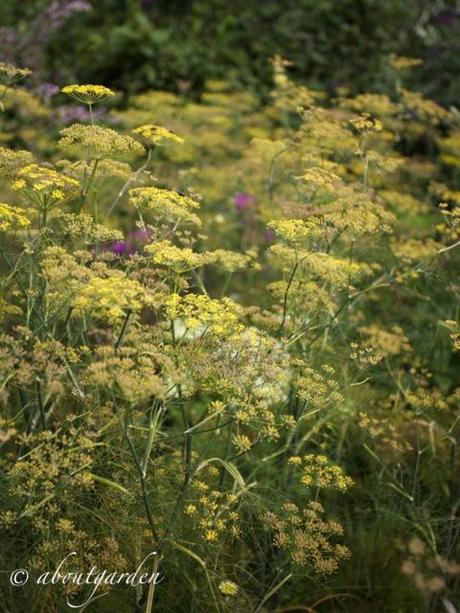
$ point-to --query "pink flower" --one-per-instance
(134, 241)
(243, 201)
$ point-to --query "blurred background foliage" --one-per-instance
(178, 45)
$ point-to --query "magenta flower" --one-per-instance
(134, 241)
(243, 201)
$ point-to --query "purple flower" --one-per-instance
(69, 113)
(134, 241)
(27, 48)
(47, 90)
(243, 201)
(446, 16)
(118, 248)
(60, 10)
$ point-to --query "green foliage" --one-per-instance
(173, 45)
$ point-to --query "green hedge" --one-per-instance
(174, 44)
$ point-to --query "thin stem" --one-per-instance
(41, 407)
(123, 330)
(143, 484)
(130, 181)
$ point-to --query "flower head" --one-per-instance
(228, 588)
(165, 203)
(133, 242)
(11, 74)
(109, 298)
(12, 217)
(44, 185)
(98, 142)
(157, 135)
(243, 201)
(88, 94)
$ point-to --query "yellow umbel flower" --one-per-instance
(386, 342)
(165, 204)
(318, 178)
(12, 161)
(317, 471)
(109, 298)
(157, 135)
(308, 536)
(44, 186)
(10, 73)
(296, 230)
(450, 147)
(378, 105)
(318, 387)
(242, 443)
(211, 535)
(338, 272)
(88, 94)
(364, 123)
(228, 588)
(400, 62)
(179, 260)
(201, 313)
(411, 249)
(12, 218)
(425, 110)
(98, 142)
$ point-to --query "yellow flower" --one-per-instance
(109, 298)
(10, 73)
(12, 161)
(400, 62)
(179, 260)
(426, 110)
(203, 314)
(88, 94)
(98, 142)
(242, 443)
(228, 588)
(45, 186)
(168, 205)
(364, 123)
(317, 471)
(12, 217)
(157, 135)
(296, 230)
(211, 535)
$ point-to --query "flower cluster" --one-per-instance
(308, 537)
(88, 94)
(317, 471)
(12, 218)
(10, 74)
(165, 205)
(109, 297)
(158, 135)
(97, 142)
(270, 307)
(201, 314)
